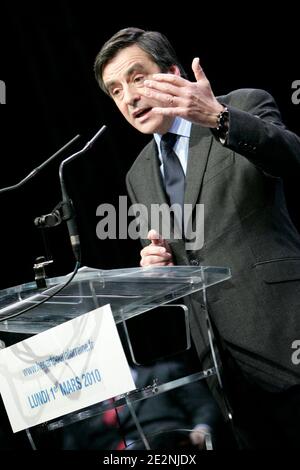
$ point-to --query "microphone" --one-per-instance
(66, 201)
(39, 168)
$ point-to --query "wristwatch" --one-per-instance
(221, 131)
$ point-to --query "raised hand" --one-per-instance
(175, 96)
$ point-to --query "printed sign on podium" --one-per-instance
(66, 368)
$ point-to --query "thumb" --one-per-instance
(155, 238)
(197, 69)
(158, 240)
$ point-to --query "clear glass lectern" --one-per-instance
(130, 292)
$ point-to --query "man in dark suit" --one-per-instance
(235, 154)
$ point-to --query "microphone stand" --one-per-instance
(65, 210)
(39, 168)
(66, 200)
(39, 266)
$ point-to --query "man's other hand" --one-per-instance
(158, 253)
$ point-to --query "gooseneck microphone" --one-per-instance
(66, 201)
(64, 208)
(39, 168)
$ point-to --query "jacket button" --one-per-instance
(194, 262)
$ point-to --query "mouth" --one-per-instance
(140, 113)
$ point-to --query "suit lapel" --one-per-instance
(156, 187)
(200, 144)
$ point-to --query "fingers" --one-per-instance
(169, 78)
(160, 98)
(161, 94)
(157, 253)
(197, 69)
(178, 111)
(167, 88)
(164, 89)
(155, 261)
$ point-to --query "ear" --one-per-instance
(174, 69)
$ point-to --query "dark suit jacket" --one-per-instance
(247, 228)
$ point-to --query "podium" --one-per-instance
(130, 292)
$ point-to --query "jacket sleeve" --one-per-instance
(196, 400)
(257, 133)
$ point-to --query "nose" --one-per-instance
(131, 96)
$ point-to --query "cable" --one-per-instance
(31, 307)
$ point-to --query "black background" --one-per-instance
(47, 54)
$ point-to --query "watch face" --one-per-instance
(222, 119)
(221, 131)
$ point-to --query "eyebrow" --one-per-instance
(137, 67)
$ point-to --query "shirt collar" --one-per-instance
(180, 126)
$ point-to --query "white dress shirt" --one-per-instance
(182, 128)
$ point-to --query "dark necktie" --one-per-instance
(173, 173)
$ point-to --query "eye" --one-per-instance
(139, 79)
(116, 92)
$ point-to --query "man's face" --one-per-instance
(124, 77)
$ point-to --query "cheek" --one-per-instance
(122, 108)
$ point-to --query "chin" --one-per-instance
(144, 128)
(151, 126)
